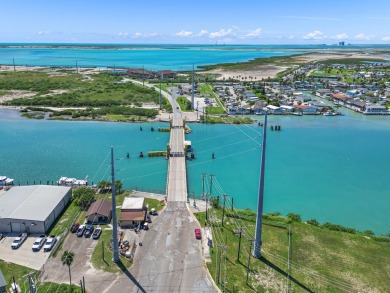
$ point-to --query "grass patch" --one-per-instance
(65, 220)
(20, 273)
(154, 204)
(349, 61)
(184, 104)
(124, 118)
(209, 90)
(226, 120)
(321, 260)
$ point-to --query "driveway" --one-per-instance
(24, 255)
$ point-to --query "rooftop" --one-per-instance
(133, 203)
(31, 202)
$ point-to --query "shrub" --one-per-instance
(313, 222)
(294, 217)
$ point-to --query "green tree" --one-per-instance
(294, 217)
(83, 197)
(67, 259)
(118, 186)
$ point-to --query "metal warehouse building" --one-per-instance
(32, 209)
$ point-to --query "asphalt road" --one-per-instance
(170, 259)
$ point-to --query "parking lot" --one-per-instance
(23, 255)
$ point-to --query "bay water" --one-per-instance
(329, 168)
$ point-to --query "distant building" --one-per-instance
(99, 212)
(133, 212)
(375, 110)
(341, 43)
(167, 74)
(32, 209)
(140, 73)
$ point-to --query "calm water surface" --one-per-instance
(329, 168)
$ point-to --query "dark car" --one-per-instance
(80, 231)
(74, 227)
(96, 233)
(88, 231)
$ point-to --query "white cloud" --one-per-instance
(386, 39)
(140, 35)
(362, 37)
(341, 36)
(253, 34)
(315, 35)
(43, 33)
(202, 33)
(183, 34)
(291, 37)
(123, 35)
(221, 33)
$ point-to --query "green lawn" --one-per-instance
(65, 220)
(321, 260)
(184, 103)
(209, 90)
(20, 274)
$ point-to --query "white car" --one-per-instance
(18, 241)
(39, 242)
(50, 242)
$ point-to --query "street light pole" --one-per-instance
(114, 220)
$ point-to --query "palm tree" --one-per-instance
(67, 259)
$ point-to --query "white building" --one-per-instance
(32, 209)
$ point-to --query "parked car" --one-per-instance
(88, 231)
(80, 231)
(18, 241)
(96, 233)
(74, 227)
(37, 245)
(198, 235)
(50, 242)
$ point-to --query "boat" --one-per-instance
(4, 180)
(329, 113)
(72, 181)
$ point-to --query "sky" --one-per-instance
(195, 22)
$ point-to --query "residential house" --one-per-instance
(375, 110)
(133, 212)
(275, 110)
(287, 109)
(167, 74)
(140, 73)
(356, 105)
(340, 99)
(99, 212)
(306, 110)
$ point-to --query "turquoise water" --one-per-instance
(329, 168)
(154, 57)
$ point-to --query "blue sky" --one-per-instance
(196, 22)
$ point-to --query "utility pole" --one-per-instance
(240, 230)
(197, 110)
(223, 210)
(260, 200)
(13, 61)
(114, 220)
(77, 69)
(232, 204)
(221, 247)
(249, 259)
(211, 185)
(160, 91)
(193, 88)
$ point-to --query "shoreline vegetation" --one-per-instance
(305, 256)
(68, 93)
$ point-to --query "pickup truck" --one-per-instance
(50, 242)
(37, 245)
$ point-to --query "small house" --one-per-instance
(99, 212)
(133, 212)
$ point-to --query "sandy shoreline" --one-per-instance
(259, 72)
